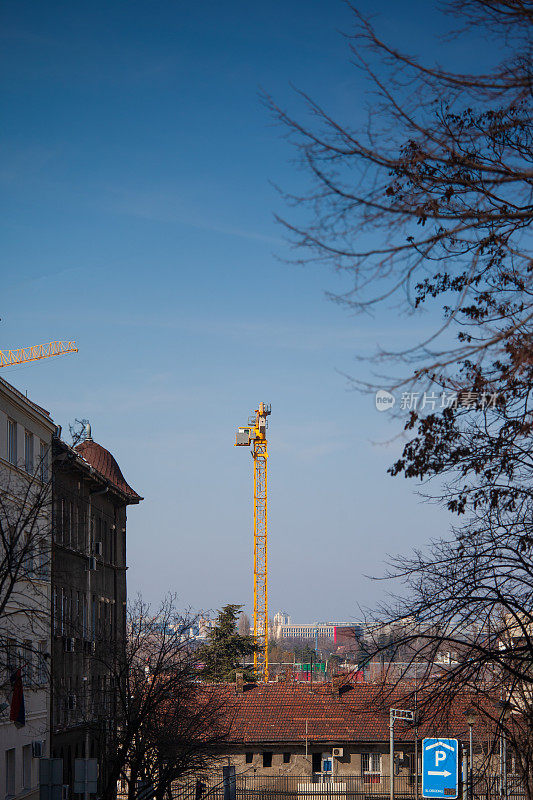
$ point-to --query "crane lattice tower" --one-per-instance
(254, 434)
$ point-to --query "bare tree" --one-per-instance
(431, 199)
(429, 203)
(465, 620)
(25, 549)
(77, 431)
(167, 721)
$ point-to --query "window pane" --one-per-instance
(26, 766)
(28, 452)
(43, 457)
(11, 441)
(10, 771)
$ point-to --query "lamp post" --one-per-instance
(506, 711)
(470, 716)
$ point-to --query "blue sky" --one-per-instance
(137, 218)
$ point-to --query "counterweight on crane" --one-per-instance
(21, 355)
(255, 434)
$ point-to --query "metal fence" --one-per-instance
(340, 787)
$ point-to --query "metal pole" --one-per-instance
(471, 765)
(391, 755)
(504, 765)
(416, 735)
(465, 775)
(416, 763)
(501, 764)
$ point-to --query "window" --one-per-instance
(286, 758)
(43, 462)
(41, 663)
(27, 663)
(66, 523)
(28, 556)
(26, 766)
(10, 772)
(317, 762)
(84, 619)
(249, 758)
(42, 561)
(28, 452)
(75, 525)
(371, 767)
(11, 655)
(11, 441)
(267, 759)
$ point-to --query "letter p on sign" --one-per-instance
(440, 755)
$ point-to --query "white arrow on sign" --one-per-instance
(444, 773)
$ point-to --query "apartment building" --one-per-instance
(91, 497)
(283, 628)
(26, 432)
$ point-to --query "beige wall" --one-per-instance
(300, 765)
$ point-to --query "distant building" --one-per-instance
(283, 628)
(89, 565)
(26, 432)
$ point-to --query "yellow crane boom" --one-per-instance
(34, 353)
(255, 434)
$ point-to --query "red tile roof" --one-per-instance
(103, 462)
(278, 712)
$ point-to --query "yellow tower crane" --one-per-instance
(255, 434)
(34, 353)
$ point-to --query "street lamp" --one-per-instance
(470, 716)
(506, 711)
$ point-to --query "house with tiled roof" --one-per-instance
(91, 498)
(290, 728)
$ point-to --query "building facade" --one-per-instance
(91, 497)
(283, 628)
(26, 432)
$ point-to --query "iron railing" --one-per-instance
(339, 787)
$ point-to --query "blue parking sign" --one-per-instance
(440, 768)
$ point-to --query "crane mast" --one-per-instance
(254, 434)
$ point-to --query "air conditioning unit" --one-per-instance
(91, 565)
(69, 644)
(98, 548)
(338, 752)
(37, 748)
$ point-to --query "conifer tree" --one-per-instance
(226, 648)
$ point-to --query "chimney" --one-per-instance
(338, 682)
(239, 683)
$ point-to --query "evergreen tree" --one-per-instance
(226, 648)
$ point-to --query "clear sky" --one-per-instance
(137, 218)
